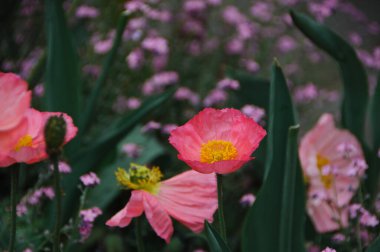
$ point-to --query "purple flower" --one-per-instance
(39, 90)
(85, 229)
(132, 150)
(156, 44)
(63, 167)
(235, 46)
(327, 249)
(85, 11)
(216, 96)
(355, 38)
(367, 219)
(92, 70)
(167, 128)
(232, 15)
(159, 81)
(338, 238)
(228, 83)
(48, 192)
(135, 59)
(286, 44)
(151, 126)
(306, 93)
(133, 103)
(185, 94)
(90, 179)
(254, 112)
(251, 65)
(90, 214)
(194, 6)
(247, 200)
(262, 11)
(21, 209)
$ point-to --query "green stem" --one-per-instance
(222, 225)
(140, 242)
(57, 190)
(14, 184)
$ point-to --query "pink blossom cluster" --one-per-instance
(158, 82)
(186, 94)
(88, 217)
(218, 95)
(254, 112)
(132, 150)
(123, 104)
(33, 199)
(322, 10)
(90, 179)
(365, 217)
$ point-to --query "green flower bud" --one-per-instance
(55, 132)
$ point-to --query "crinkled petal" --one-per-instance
(132, 209)
(190, 198)
(158, 217)
(14, 100)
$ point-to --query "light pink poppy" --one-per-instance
(190, 198)
(14, 100)
(30, 144)
(333, 164)
(216, 140)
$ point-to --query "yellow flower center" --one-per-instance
(25, 141)
(140, 177)
(217, 150)
(326, 179)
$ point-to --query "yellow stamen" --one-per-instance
(140, 177)
(327, 180)
(25, 141)
(217, 150)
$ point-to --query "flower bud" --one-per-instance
(55, 132)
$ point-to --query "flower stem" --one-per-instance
(222, 225)
(14, 185)
(57, 190)
(140, 243)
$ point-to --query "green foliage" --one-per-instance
(355, 97)
(282, 193)
(215, 241)
(62, 85)
(375, 246)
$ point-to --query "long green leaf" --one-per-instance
(374, 246)
(94, 96)
(354, 78)
(261, 232)
(90, 157)
(215, 242)
(62, 85)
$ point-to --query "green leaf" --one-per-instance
(355, 97)
(89, 158)
(374, 246)
(215, 242)
(62, 85)
(94, 96)
(278, 212)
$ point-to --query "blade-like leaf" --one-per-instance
(215, 242)
(374, 246)
(89, 158)
(62, 85)
(94, 96)
(354, 78)
(261, 232)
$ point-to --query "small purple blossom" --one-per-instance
(254, 112)
(262, 11)
(185, 94)
(167, 128)
(90, 179)
(338, 238)
(156, 44)
(159, 81)
(85, 11)
(286, 44)
(306, 93)
(247, 200)
(90, 214)
(216, 96)
(151, 126)
(135, 59)
(85, 229)
(21, 209)
(132, 150)
(39, 90)
(63, 167)
(228, 83)
(367, 219)
(328, 249)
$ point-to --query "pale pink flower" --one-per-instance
(133, 103)
(306, 93)
(228, 83)
(90, 179)
(215, 97)
(156, 44)
(254, 112)
(90, 214)
(338, 238)
(367, 219)
(85, 11)
(185, 94)
(39, 90)
(135, 59)
(159, 81)
(132, 150)
(247, 199)
(262, 11)
(63, 167)
(28, 250)
(151, 126)
(190, 198)
(286, 44)
(328, 249)
(217, 140)
(328, 170)
(167, 128)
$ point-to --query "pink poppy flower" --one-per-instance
(218, 141)
(190, 198)
(30, 144)
(333, 163)
(14, 100)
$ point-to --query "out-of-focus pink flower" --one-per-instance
(326, 166)
(250, 65)
(21, 209)
(235, 46)
(92, 70)
(185, 94)
(85, 11)
(338, 238)
(133, 103)
(328, 249)
(155, 44)
(135, 59)
(232, 15)
(355, 38)
(28, 250)
(151, 126)
(262, 11)
(90, 214)
(63, 167)
(159, 62)
(228, 83)
(286, 44)
(313, 248)
(220, 140)
(306, 93)
(102, 46)
(159, 81)
(367, 219)
(48, 192)
(189, 197)
(14, 100)
(85, 229)
(254, 112)
(30, 144)
(39, 90)
(167, 128)
(132, 150)
(90, 179)
(247, 199)
(216, 96)
(194, 6)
